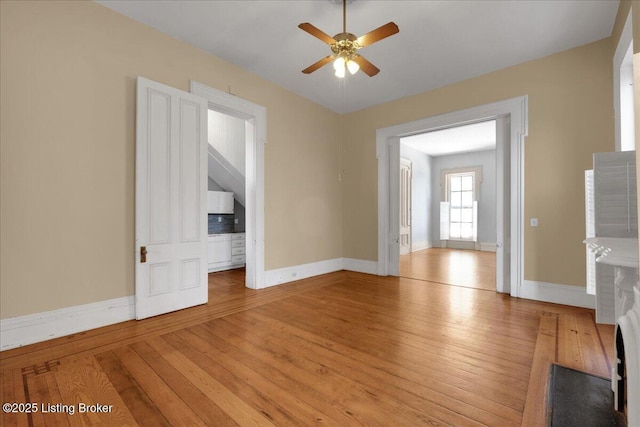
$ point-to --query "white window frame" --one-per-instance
(445, 206)
(474, 221)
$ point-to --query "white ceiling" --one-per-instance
(461, 139)
(440, 42)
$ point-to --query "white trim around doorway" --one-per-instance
(388, 149)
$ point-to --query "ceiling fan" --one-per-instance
(344, 46)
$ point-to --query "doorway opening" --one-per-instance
(254, 118)
(511, 129)
(227, 138)
(453, 206)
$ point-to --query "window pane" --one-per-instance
(467, 198)
(456, 199)
(455, 215)
(456, 183)
(466, 231)
(455, 231)
(467, 182)
(467, 215)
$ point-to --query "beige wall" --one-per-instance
(67, 139)
(67, 84)
(570, 117)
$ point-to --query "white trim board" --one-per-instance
(289, 274)
(558, 294)
(298, 272)
(360, 266)
(23, 330)
(418, 246)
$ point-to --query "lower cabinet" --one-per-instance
(226, 251)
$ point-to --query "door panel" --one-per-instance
(171, 185)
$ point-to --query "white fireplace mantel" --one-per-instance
(622, 253)
(615, 251)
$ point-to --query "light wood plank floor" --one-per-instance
(472, 269)
(336, 350)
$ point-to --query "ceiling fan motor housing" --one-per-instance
(346, 45)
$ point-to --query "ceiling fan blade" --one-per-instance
(324, 61)
(378, 34)
(316, 32)
(367, 67)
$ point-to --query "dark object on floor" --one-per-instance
(581, 400)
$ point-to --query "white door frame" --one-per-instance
(256, 116)
(622, 63)
(406, 202)
(388, 154)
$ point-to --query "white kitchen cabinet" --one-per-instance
(220, 202)
(219, 252)
(238, 249)
(226, 251)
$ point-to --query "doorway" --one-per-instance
(454, 206)
(255, 120)
(511, 117)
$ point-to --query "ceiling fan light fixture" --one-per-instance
(352, 66)
(340, 72)
(338, 64)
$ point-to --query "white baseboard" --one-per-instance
(303, 271)
(467, 245)
(360, 265)
(420, 246)
(33, 328)
(458, 244)
(559, 294)
(487, 247)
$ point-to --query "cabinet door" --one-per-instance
(227, 202)
(220, 202)
(220, 251)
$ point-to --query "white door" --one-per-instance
(405, 206)
(171, 195)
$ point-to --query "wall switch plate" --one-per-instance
(534, 222)
(235, 221)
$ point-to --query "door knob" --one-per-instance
(143, 254)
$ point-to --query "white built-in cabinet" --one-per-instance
(226, 251)
(220, 202)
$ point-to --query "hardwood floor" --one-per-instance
(472, 269)
(339, 349)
